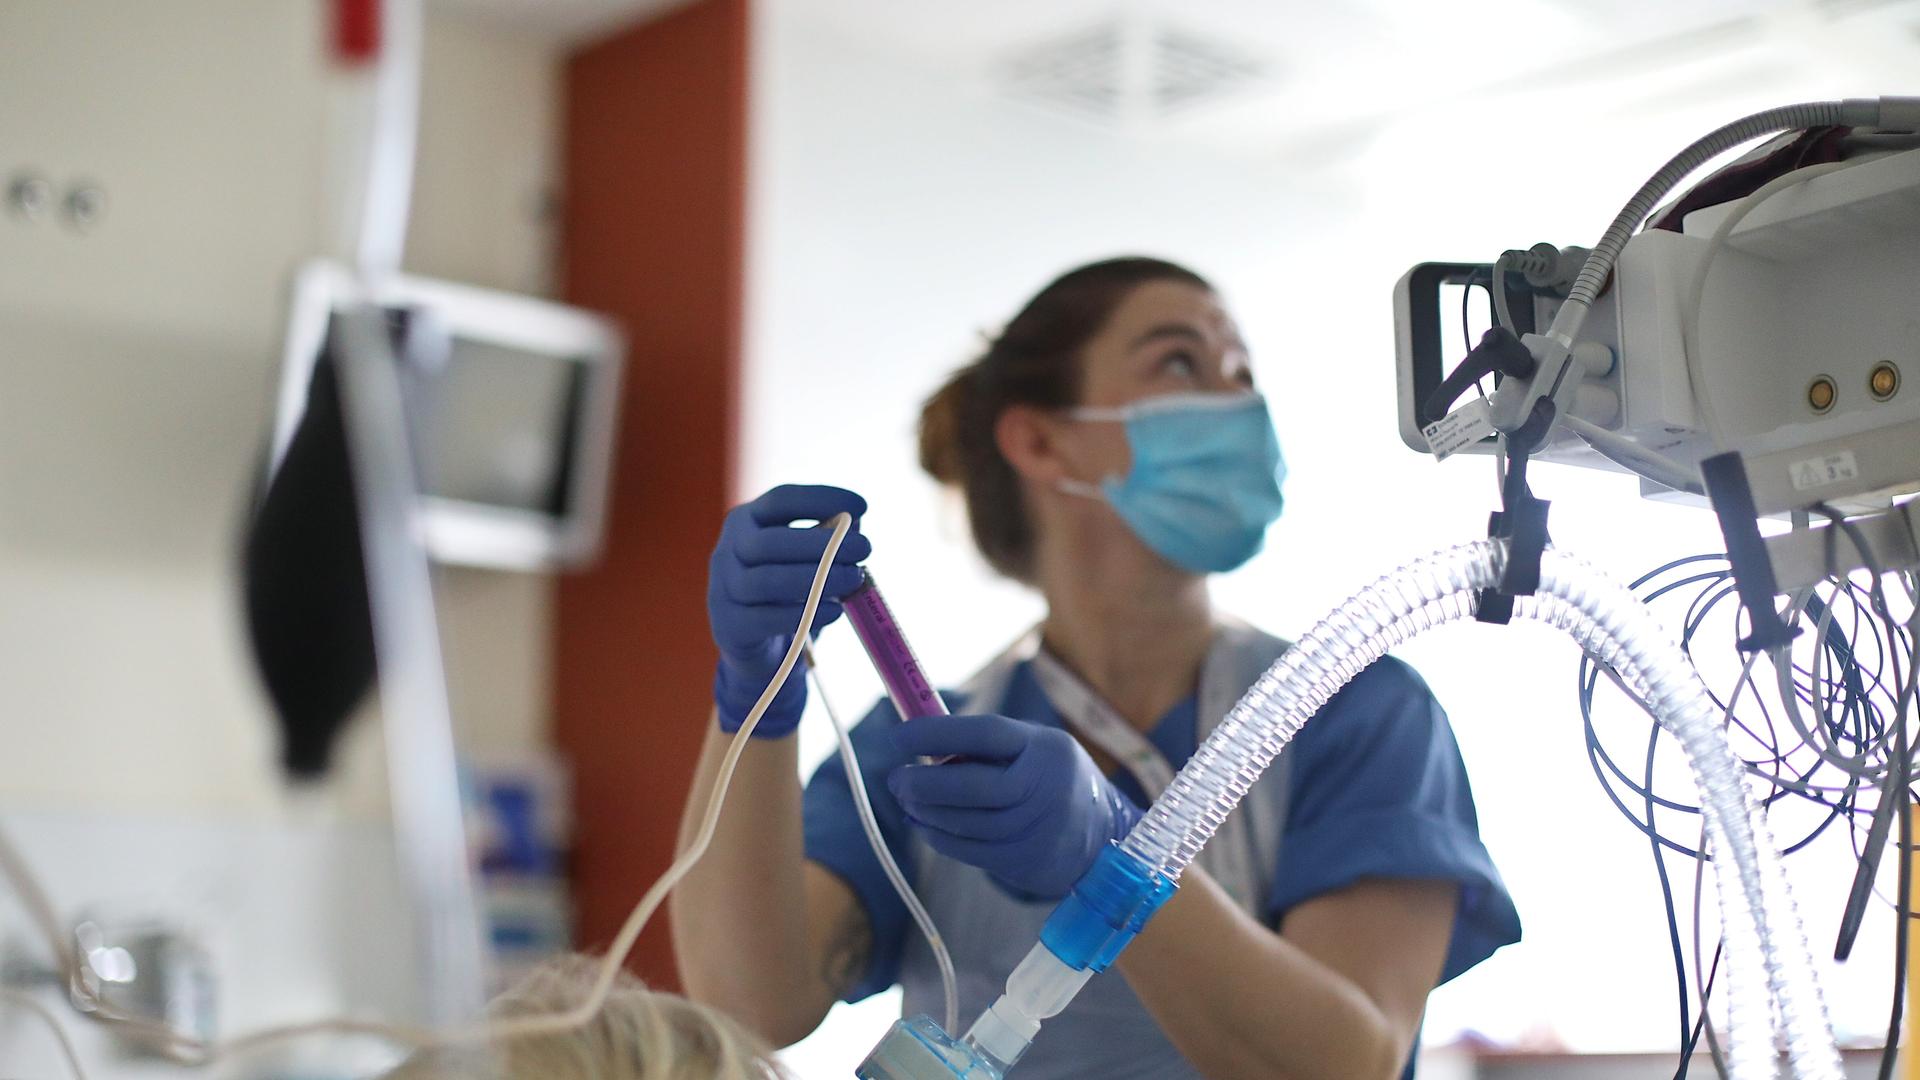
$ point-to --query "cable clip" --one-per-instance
(1521, 521)
(1499, 353)
(1725, 477)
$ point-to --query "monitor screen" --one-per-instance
(499, 425)
(511, 421)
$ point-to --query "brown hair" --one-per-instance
(1035, 361)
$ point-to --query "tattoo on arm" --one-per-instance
(848, 951)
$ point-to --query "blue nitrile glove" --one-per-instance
(1027, 805)
(757, 586)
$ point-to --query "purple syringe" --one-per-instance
(907, 686)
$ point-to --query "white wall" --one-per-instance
(137, 365)
(901, 209)
(140, 360)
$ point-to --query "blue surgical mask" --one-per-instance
(1205, 479)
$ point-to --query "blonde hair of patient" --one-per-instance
(641, 1034)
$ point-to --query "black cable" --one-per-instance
(1701, 1025)
(1868, 733)
(1706, 985)
(1466, 334)
(1611, 772)
(1896, 791)
(1857, 676)
(1900, 908)
(1466, 330)
(1666, 898)
(1894, 794)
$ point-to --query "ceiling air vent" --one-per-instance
(1130, 71)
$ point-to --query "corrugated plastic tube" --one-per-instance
(1770, 973)
(1769, 959)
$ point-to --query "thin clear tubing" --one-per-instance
(1759, 920)
(912, 695)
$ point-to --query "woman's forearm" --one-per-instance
(1239, 1000)
(740, 930)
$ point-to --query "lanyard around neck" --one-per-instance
(1229, 859)
(1088, 715)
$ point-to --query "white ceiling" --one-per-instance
(565, 22)
(1477, 44)
(1519, 34)
(1331, 68)
(954, 30)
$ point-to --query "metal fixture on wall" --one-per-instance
(33, 198)
(84, 205)
(29, 195)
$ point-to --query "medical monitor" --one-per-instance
(511, 420)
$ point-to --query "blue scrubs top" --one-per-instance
(1378, 790)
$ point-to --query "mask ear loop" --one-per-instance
(1183, 401)
(1069, 486)
(1093, 414)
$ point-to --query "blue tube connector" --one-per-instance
(1107, 908)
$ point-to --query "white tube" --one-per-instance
(1635, 458)
(1769, 961)
(1894, 112)
(863, 807)
(1039, 988)
(1593, 275)
(1762, 927)
(1697, 289)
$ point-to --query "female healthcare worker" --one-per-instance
(1113, 453)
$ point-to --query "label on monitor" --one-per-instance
(1818, 472)
(1459, 429)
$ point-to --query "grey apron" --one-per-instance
(1106, 1032)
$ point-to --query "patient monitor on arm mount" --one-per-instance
(416, 419)
(1814, 289)
(1758, 354)
(511, 408)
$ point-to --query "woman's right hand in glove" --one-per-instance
(757, 583)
